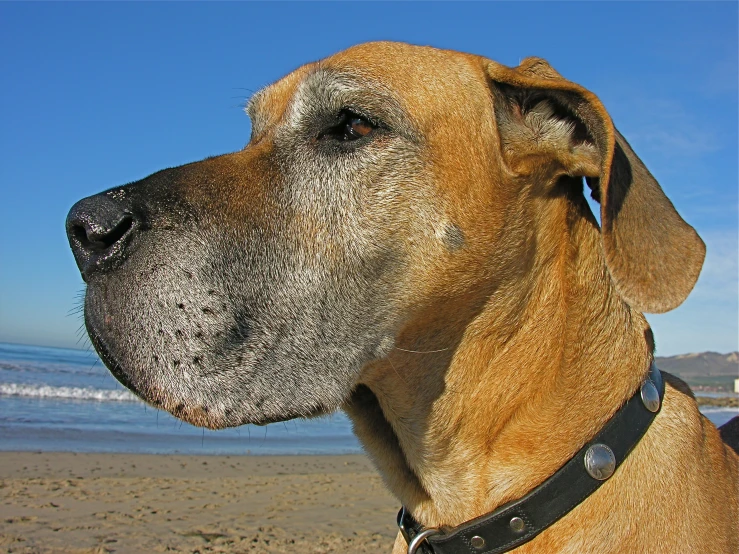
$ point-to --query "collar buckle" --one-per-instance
(419, 539)
(414, 538)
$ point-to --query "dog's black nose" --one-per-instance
(99, 229)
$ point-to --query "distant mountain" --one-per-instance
(704, 369)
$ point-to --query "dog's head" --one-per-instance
(257, 285)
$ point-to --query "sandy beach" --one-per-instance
(65, 502)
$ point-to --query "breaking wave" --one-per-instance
(71, 393)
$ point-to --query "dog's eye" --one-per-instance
(357, 127)
(351, 126)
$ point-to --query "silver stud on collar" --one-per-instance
(600, 462)
(517, 524)
(650, 396)
(477, 542)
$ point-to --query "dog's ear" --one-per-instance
(548, 124)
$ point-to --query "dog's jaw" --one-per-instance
(206, 348)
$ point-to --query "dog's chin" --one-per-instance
(176, 402)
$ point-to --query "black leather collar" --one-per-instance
(517, 522)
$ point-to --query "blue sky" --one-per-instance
(100, 94)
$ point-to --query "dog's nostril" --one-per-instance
(99, 239)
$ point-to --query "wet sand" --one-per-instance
(64, 502)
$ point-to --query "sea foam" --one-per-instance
(71, 393)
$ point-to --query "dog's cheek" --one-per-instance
(221, 335)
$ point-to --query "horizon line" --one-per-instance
(91, 349)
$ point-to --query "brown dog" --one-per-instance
(406, 237)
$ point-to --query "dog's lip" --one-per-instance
(109, 360)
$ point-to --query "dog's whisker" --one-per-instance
(422, 351)
(396, 371)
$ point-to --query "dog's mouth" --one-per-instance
(110, 362)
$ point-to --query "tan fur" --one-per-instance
(531, 347)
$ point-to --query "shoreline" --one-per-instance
(87, 502)
(717, 402)
(97, 502)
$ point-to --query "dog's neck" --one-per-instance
(538, 369)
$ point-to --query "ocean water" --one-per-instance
(54, 399)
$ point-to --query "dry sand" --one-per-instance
(62, 502)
